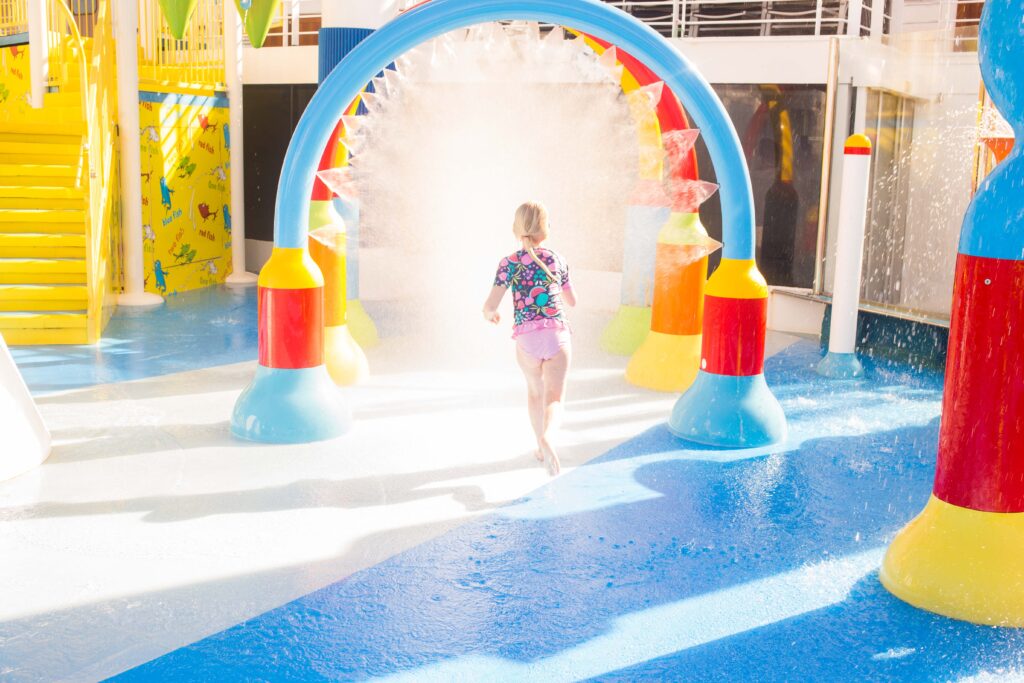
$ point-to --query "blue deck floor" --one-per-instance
(202, 328)
(656, 561)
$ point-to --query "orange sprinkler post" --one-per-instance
(345, 360)
(669, 357)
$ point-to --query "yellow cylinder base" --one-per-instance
(361, 325)
(665, 362)
(960, 563)
(345, 360)
(627, 330)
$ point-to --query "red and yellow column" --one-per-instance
(729, 403)
(963, 556)
(292, 398)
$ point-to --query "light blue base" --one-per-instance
(291, 406)
(728, 411)
(840, 366)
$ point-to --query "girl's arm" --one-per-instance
(491, 314)
(569, 296)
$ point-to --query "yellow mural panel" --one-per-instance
(186, 200)
(14, 84)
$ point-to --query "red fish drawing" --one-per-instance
(204, 211)
(204, 123)
(17, 51)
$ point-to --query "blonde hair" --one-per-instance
(531, 227)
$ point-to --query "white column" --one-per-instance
(841, 360)
(233, 78)
(38, 51)
(126, 33)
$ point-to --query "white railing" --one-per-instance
(299, 20)
(932, 15)
(297, 23)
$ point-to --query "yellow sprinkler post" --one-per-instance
(345, 360)
(670, 355)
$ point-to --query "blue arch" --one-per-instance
(440, 16)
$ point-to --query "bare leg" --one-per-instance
(554, 372)
(535, 395)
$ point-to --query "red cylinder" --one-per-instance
(981, 437)
(734, 334)
(291, 327)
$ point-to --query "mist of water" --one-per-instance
(470, 126)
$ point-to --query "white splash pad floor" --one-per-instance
(151, 527)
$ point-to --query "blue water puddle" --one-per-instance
(202, 328)
(655, 562)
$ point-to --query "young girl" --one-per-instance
(539, 280)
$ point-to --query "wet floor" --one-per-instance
(427, 546)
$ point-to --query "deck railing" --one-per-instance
(13, 18)
(195, 62)
(297, 23)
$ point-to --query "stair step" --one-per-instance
(38, 337)
(32, 190)
(20, 216)
(45, 320)
(38, 170)
(73, 162)
(41, 185)
(32, 271)
(64, 98)
(42, 293)
(42, 245)
(38, 228)
(44, 298)
(41, 203)
(76, 128)
(38, 149)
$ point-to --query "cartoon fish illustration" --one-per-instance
(149, 133)
(160, 274)
(219, 172)
(147, 233)
(204, 211)
(165, 194)
(17, 51)
(205, 125)
(185, 253)
(226, 213)
(210, 267)
(186, 168)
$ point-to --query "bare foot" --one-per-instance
(539, 454)
(551, 459)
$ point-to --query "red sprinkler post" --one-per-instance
(963, 556)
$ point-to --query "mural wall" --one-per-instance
(186, 199)
(14, 95)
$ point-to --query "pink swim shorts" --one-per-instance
(544, 343)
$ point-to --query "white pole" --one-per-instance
(38, 51)
(841, 360)
(126, 30)
(233, 77)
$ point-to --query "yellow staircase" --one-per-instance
(59, 191)
(44, 297)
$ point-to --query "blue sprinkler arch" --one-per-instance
(440, 16)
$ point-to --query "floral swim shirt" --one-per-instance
(536, 300)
